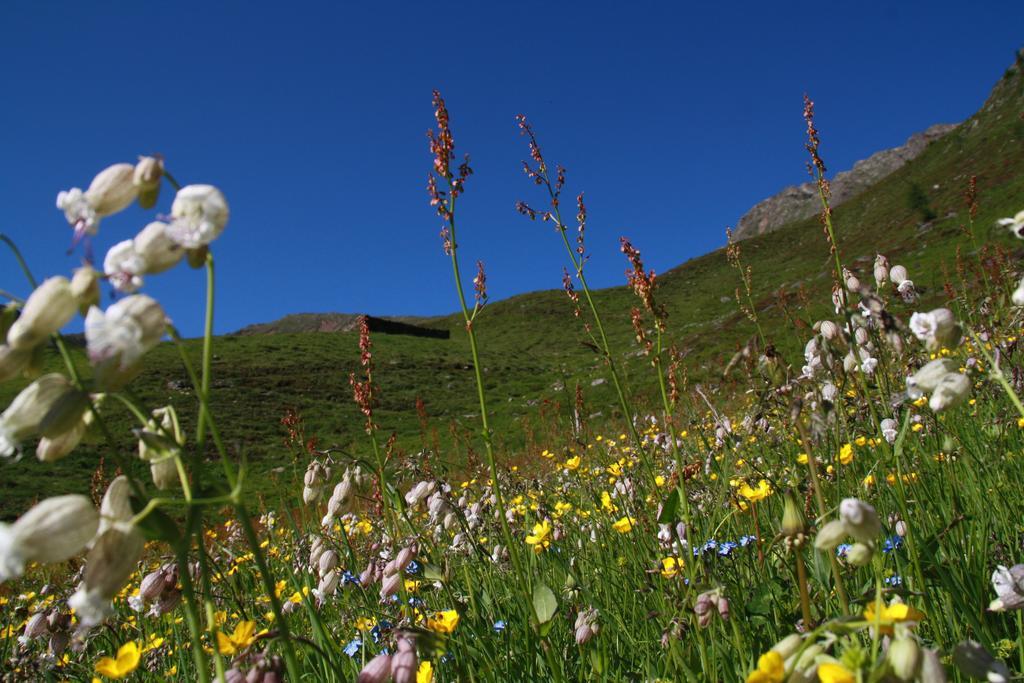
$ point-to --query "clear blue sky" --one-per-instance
(674, 118)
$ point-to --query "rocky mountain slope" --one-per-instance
(798, 202)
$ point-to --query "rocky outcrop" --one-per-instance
(343, 322)
(798, 202)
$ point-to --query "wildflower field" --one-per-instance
(823, 485)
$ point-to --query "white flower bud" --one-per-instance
(788, 646)
(953, 389)
(926, 379)
(404, 664)
(164, 473)
(23, 417)
(328, 562)
(200, 213)
(852, 283)
(52, 531)
(47, 309)
(898, 275)
(859, 554)
(829, 330)
(55, 448)
(881, 270)
(860, 519)
(329, 583)
(932, 670)
(390, 584)
(862, 336)
(146, 177)
(116, 507)
(904, 657)
(85, 287)
(831, 535)
(112, 189)
(156, 249)
(378, 670)
(108, 567)
(13, 362)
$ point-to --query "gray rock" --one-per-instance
(799, 202)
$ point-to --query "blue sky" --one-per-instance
(674, 118)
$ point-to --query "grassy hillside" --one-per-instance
(532, 346)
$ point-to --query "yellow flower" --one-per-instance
(425, 674)
(624, 525)
(443, 622)
(762, 491)
(893, 613)
(869, 480)
(541, 536)
(239, 640)
(606, 502)
(364, 624)
(846, 454)
(572, 463)
(835, 673)
(670, 567)
(860, 440)
(801, 458)
(126, 662)
(771, 668)
(659, 480)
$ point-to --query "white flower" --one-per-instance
(1009, 587)
(200, 213)
(952, 390)
(907, 291)
(860, 519)
(78, 211)
(112, 190)
(1018, 294)
(890, 429)
(126, 330)
(928, 377)
(22, 418)
(48, 308)
(937, 329)
(1014, 225)
(52, 531)
(124, 267)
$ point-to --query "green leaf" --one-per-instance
(670, 508)
(431, 572)
(545, 604)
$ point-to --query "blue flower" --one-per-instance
(894, 580)
(747, 540)
(352, 649)
(416, 602)
(709, 546)
(499, 626)
(842, 549)
(349, 577)
(727, 547)
(378, 631)
(892, 543)
(413, 568)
